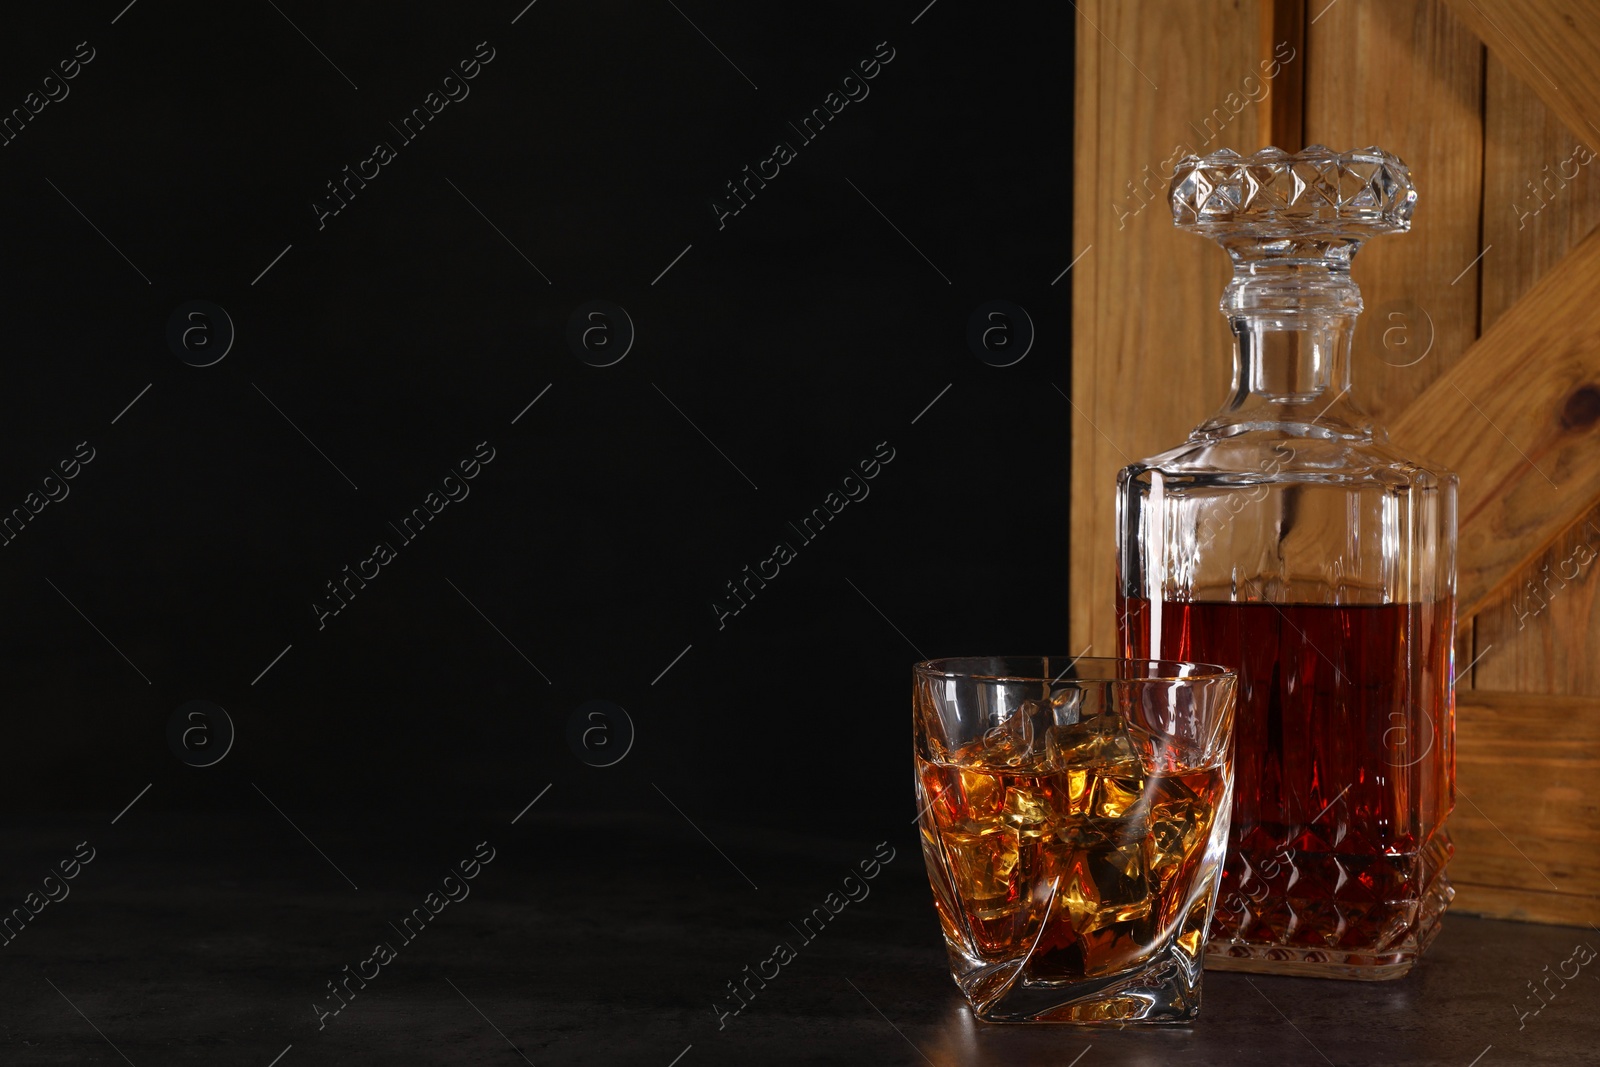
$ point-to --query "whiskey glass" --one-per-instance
(1074, 816)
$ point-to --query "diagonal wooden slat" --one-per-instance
(1537, 633)
(1553, 45)
(1518, 418)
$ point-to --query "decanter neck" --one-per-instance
(1292, 317)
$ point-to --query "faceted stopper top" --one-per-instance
(1315, 192)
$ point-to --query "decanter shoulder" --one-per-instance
(1263, 456)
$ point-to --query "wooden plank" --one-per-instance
(1408, 78)
(1538, 203)
(1529, 456)
(1539, 198)
(1286, 120)
(1525, 905)
(1553, 45)
(1527, 821)
(1151, 355)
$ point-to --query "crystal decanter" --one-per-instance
(1288, 539)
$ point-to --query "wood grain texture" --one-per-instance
(1525, 905)
(1151, 353)
(1527, 820)
(1538, 202)
(1408, 78)
(1286, 122)
(1518, 418)
(1553, 46)
(1538, 634)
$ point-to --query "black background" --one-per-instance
(408, 330)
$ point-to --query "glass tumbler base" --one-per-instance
(1165, 990)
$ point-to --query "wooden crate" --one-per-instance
(1495, 105)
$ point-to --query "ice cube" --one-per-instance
(1090, 741)
(1066, 706)
(984, 864)
(1027, 810)
(1106, 885)
(1074, 746)
(1179, 822)
(1119, 786)
(1010, 743)
(980, 792)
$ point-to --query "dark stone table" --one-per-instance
(611, 940)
